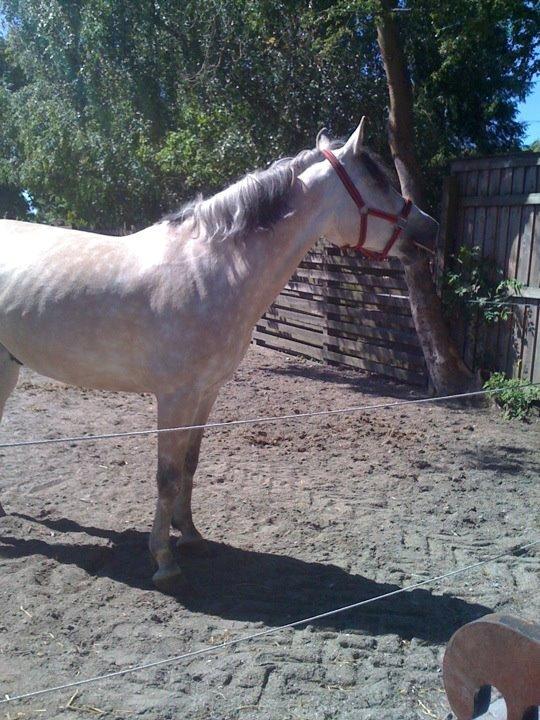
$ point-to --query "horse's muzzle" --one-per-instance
(423, 234)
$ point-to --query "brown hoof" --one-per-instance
(168, 579)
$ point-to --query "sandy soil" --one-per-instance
(303, 517)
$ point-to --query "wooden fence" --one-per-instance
(342, 309)
(494, 204)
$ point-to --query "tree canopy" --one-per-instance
(115, 111)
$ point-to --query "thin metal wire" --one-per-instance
(256, 420)
(269, 631)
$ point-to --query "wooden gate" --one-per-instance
(342, 309)
(494, 204)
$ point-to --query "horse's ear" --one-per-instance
(323, 141)
(356, 140)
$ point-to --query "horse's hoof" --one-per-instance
(194, 547)
(168, 579)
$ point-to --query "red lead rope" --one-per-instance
(399, 221)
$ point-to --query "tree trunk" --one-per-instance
(447, 371)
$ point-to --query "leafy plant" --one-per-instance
(516, 397)
(477, 284)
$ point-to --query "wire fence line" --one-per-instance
(259, 420)
(511, 551)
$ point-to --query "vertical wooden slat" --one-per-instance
(530, 183)
(477, 328)
(526, 244)
(490, 247)
(506, 181)
(494, 181)
(513, 240)
(503, 327)
(462, 326)
(530, 332)
(514, 351)
(534, 272)
(448, 227)
(483, 183)
(472, 183)
(501, 240)
(515, 337)
(462, 182)
(535, 371)
(517, 180)
(490, 233)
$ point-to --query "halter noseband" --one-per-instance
(399, 221)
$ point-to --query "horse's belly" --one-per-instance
(78, 363)
(130, 353)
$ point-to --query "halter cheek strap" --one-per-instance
(399, 221)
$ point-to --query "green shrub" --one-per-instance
(517, 396)
(477, 284)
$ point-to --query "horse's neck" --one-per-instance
(270, 258)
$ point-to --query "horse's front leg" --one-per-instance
(182, 518)
(177, 459)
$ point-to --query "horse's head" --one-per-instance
(369, 214)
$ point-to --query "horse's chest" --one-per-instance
(200, 349)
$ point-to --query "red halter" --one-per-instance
(399, 221)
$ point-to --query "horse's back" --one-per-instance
(72, 303)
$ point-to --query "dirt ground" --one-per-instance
(303, 517)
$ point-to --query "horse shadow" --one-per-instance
(252, 586)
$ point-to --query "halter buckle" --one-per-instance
(401, 222)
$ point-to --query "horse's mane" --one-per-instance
(256, 202)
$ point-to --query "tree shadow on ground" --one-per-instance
(503, 459)
(255, 586)
(355, 381)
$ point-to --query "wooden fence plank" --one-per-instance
(506, 181)
(320, 306)
(490, 163)
(514, 240)
(518, 180)
(525, 249)
(375, 352)
(332, 274)
(530, 331)
(490, 233)
(472, 182)
(311, 337)
(495, 181)
(530, 184)
(535, 370)
(348, 326)
(398, 303)
(483, 182)
(510, 199)
(356, 262)
(278, 343)
(359, 347)
(447, 231)
(534, 273)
